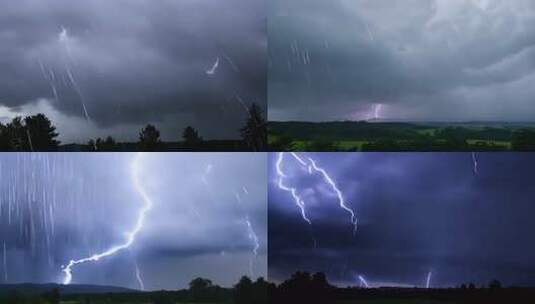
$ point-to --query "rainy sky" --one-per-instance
(58, 207)
(417, 60)
(133, 62)
(416, 213)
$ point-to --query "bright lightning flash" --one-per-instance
(130, 236)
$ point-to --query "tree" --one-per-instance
(495, 284)
(523, 140)
(149, 139)
(254, 134)
(108, 144)
(200, 284)
(41, 134)
(16, 135)
(243, 291)
(282, 143)
(191, 137)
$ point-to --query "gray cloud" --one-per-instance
(420, 59)
(135, 62)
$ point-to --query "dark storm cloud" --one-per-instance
(417, 212)
(135, 62)
(420, 59)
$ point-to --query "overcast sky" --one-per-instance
(446, 60)
(58, 207)
(133, 62)
(417, 212)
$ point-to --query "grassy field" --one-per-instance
(364, 136)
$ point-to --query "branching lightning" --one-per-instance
(336, 190)
(131, 235)
(311, 166)
(281, 176)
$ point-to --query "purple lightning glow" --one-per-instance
(428, 281)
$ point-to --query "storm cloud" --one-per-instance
(424, 60)
(133, 63)
(417, 212)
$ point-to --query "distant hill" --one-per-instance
(29, 288)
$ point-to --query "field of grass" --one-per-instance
(474, 142)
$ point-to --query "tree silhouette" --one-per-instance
(200, 284)
(41, 134)
(282, 143)
(191, 137)
(109, 144)
(523, 140)
(495, 284)
(16, 135)
(149, 139)
(243, 291)
(254, 134)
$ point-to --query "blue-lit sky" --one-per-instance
(417, 212)
(58, 207)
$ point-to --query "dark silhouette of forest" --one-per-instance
(304, 287)
(37, 133)
(200, 290)
(399, 137)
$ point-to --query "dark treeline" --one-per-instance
(37, 133)
(200, 291)
(304, 287)
(399, 137)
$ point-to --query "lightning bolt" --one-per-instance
(130, 236)
(363, 281)
(281, 176)
(138, 277)
(337, 191)
(476, 164)
(212, 71)
(256, 243)
(428, 282)
(311, 166)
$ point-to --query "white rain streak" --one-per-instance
(64, 40)
(38, 191)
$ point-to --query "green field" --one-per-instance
(364, 136)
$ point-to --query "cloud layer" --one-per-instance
(445, 60)
(134, 62)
